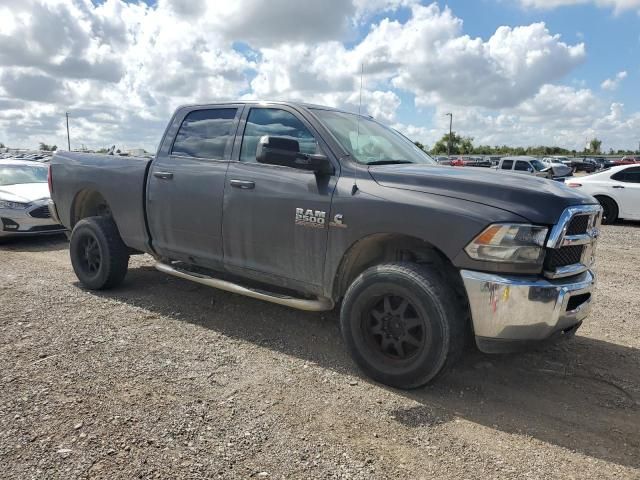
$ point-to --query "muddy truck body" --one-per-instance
(315, 208)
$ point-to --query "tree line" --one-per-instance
(464, 146)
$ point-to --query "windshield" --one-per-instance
(537, 164)
(17, 174)
(370, 142)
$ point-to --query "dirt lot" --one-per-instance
(163, 378)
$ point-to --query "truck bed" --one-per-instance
(121, 181)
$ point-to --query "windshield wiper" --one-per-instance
(388, 162)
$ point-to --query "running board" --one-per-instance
(318, 305)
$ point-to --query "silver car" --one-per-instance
(559, 169)
(525, 164)
(24, 197)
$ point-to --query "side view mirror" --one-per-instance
(286, 152)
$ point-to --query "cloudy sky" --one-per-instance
(521, 72)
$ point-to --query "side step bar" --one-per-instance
(317, 305)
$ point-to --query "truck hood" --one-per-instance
(537, 199)
(24, 192)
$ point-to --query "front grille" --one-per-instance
(578, 225)
(564, 256)
(40, 212)
(572, 241)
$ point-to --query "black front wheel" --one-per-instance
(99, 257)
(402, 324)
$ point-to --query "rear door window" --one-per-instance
(205, 133)
(507, 165)
(629, 175)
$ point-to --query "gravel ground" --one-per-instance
(162, 378)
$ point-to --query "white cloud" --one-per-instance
(259, 22)
(364, 8)
(612, 83)
(438, 64)
(557, 115)
(60, 38)
(120, 68)
(428, 56)
(618, 6)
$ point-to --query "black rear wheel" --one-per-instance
(99, 257)
(403, 324)
(91, 260)
(609, 210)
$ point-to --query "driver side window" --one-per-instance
(276, 123)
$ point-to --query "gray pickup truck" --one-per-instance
(312, 207)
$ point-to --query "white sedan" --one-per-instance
(24, 197)
(617, 189)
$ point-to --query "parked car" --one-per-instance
(277, 202)
(24, 198)
(584, 165)
(601, 162)
(470, 161)
(627, 160)
(558, 169)
(526, 165)
(443, 160)
(458, 162)
(476, 161)
(562, 159)
(617, 189)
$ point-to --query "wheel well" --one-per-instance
(598, 197)
(89, 203)
(382, 248)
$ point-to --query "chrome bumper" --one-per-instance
(510, 308)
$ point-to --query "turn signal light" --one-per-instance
(573, 185)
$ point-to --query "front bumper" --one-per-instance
(509, 312)
(33, 220)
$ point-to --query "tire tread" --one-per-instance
(435, 283)
(116, 259)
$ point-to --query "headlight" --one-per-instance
(14, 205)
(509, 243)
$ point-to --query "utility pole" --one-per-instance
(68, 138)
(450, 125)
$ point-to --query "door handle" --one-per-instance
(618, 186)
(244, 184)
(163, 175)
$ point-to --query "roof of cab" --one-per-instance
(519, 157)
(310, 106)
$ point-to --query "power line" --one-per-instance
(450, 126)
(68, 137)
